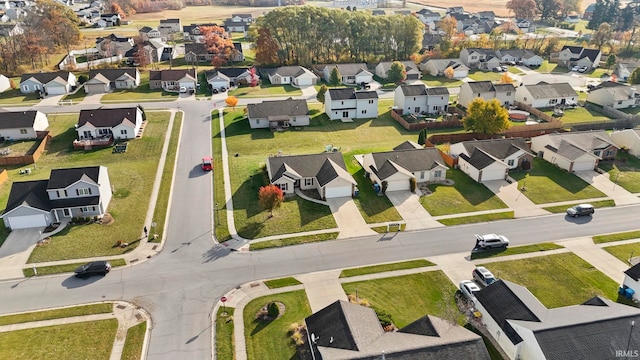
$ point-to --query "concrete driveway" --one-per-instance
(602, 182)
(514, 198)
(413, 213)
(15, 251)
(348, 218)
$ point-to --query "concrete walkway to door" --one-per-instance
(348, 218)
(602, 182)
(514, 198)
(413, 213)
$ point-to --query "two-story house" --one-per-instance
(476, 58)
(615, 95)
(420, 99)
(169, 26)
(346, 104)
(505, 93)
(570, 56)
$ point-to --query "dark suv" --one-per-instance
(93, 268)
(580, 210)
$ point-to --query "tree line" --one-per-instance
(315, 35)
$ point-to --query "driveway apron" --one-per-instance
(414, 214)
(348, 218)
(602, 182)
(514, 198)
(16, 250)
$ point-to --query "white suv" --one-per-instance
(483, 276)
(491, 241)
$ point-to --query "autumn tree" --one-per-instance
(486, 117)
(55, 24)
(449, 73)
(266, 48)
(522, 9)
(321, 93)
(634, 78)
(506, 79)
(449, 25)
(602, 36)
(548, 8)
(270, 197)
(335, 78)
(218, 43)
(141, 57)
(397, 72)
(231, 101)
(253, 77)
(116, 9)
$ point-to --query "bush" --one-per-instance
(412, 184)
(82, 79)
(273, 310)
(384, 317)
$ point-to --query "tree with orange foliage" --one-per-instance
(449, 72)
(270, 197)
(266, 48)
(253, 77)
(116, 9)
(218, 43)
(232, 101)
(506, 79)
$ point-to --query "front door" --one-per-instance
(345, 114)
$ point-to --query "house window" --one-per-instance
(597, 153)
(341, 102)
(414, 99)
(437, 174)
(83, 191)
(257, 121)
(293, 119)
(370, 101)
(619, 102)
(525, 98)
(123, 132)
(284, 186)
(308, 182)
(553, 101)
(23, 131)
(364, 112)
(421, 174)
(510, 162)
(508, 93)
(609, 153)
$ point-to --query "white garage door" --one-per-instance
(584, 165)
(23, 222)
(492, 175)
(56, 90)
(398, 185)
(333, 192)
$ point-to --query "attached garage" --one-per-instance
(28, 221)
(338, 191)
(582, 165)
(492, 174)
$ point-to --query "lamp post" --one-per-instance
(216, 215)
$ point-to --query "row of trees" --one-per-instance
(49, 27)
(309, 35)
(546, 9)
(626, 18)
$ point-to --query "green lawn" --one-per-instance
(412, 264)
(131, 176)
(296, 240)
(580, 115)
(514, 250)
(264, 90)
(76, 97)
(56, 313)
(142, 92)
(20, 146)
(409, 297)
(465, 195)
(77, 341)
(515, 70)
(547, 67)
(282, 282)
(221, 229)
(133, 343)
(461, 220)
(434, 81)
(479, 75)
(624, 252)
(224, 334)
(624, 171)
(599, 239)
(59, 269)
(15, 97)
(546, 183)
(562, 208)
(269, 340)
(557, 280)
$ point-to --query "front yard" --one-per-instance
(546, 183)
(265, 89)
(16, 98)
(624, 171)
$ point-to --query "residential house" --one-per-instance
(475, 58)
(627, 139)
(588, 11)
(576, 150)
(572, 19)
(228, 77)
(428, 18)
(113, 45)
(504, 93)
(526, 57)
(173, 80)
(20, 125)
(74, 192)
(624, 69)
(524, 25)
(278, 114)
(147, 33)
(486, 15)
(351, 74)
(294, 75)
(485, 160)
(455, 10)
(51, 83)
(420, 99)
(107, 20)
(193, 33)
(118, 123)
(346, 104)
(197, 52)
(430, 41)
(525, 329)
(632, 281)
(437, 67)
(326, 173)
(169, 26)
(233, 26)
(105, 80)
(8, 30)
(244, 18)
(412, 70)
(5, 83)
(152, 51)
(615, 95)
(570, 56)
(343, 330)
(544, 95)
(399, 166)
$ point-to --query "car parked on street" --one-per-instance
(93, 268)
(580, 210)
(483, 276)
(491, 241)
(468, 289)
(207, 164)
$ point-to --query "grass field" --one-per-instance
(56, 313)
(412, 264)
(514, 250)
(599, 239)
(283, 282)
(224, 333)
(133, 344)
(624, 171)
(624, 252)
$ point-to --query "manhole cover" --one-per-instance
(121, 307)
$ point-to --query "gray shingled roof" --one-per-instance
(45, 77)
(288, 107)
(113, 74)
(289, 71)
(499, 148)
(545, 91)
(585, 140)
(411, 160)
(634, 272)
(61, 178)
(17, 119)
(479, 159)
(171, 75)
(349, 69)
(30, 193)
(480, 86)
(440, 90)
(408, 145)
(414, 90)
(107, 117)
(325, 167)
(567, 150)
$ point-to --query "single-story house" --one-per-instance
(105, 80)
(228, 77)
(350, 74)
(412, 70)
(505, 93)
(343, 330)
(485, 160)
(437, 67)
(278, 114)
(346, 104)
(173, 80)
(399, 166)
(51, 83)
(5, 83)
(632, 281)
(527, 57)
(74, 192)
(294, 75)
(19, 125)
(574, 151)
(615, 95)
(624, 68)
(420, 99)
(544, 95)
(119, 123)
(627, 139)
(325, 173)
(525, 329)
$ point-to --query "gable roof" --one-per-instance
(293, 70)
(108, 117)
(408, 145)
(480, 159)
(170, 21)
(406, 160)
(499, 148)
(231, 72)
(172, 75)
(546, 91)
(29, 193)
(585, 140)
(351, 93)
(634, 272)
(17, 119)
(61, 178)
(349, 69)
(288, 107)
(113, 74)
(410, 66)
(45, 77)
(309, 166)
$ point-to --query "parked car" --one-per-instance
(498, 69)
(583, 69)
(575, 68)
(491, 241)
(512, 63)
(93, 268)
(468, 289)
(183, 89)
(591, 87)
(580, 210)
(207, 164)
(483, 276)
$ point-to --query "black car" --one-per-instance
(580, 210)
(93, 268)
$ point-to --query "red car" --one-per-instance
(207, 165)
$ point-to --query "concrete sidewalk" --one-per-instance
(598, 257)
(514, 198)
(322, 288)
(414, 214)
(602, 182)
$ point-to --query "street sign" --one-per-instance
(223, 299)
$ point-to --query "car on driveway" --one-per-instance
(483, 276)
(580, 210)
(93, 268)
(488, 241)
(583, 69)
(575, 68)
(468, 289)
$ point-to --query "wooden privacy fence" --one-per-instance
(28, 158)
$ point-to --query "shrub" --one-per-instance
(297, 338)
(293, 328)
(384, 317)
(273, 310)
(82, 79)
(412, 184)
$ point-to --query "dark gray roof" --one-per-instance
(408, 145)
(45, 77)
(107, 117)
(17, 119)
(543, 90)
(411, 160)
(61, 178)
(31, 193)
(113, 74)
(288, 107)
(480, 86)
(231, 72)
(499, 148)
(171, 75)
(479, 159)
(349, 69)
(170, 21)
(440, 90)
(366, 95)
(308, 166)
(414, 90)
(608, 84)
(634, 272)
(350, 93)
(504, 87)
(422, 326)
(573, 49)
(591, 54)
